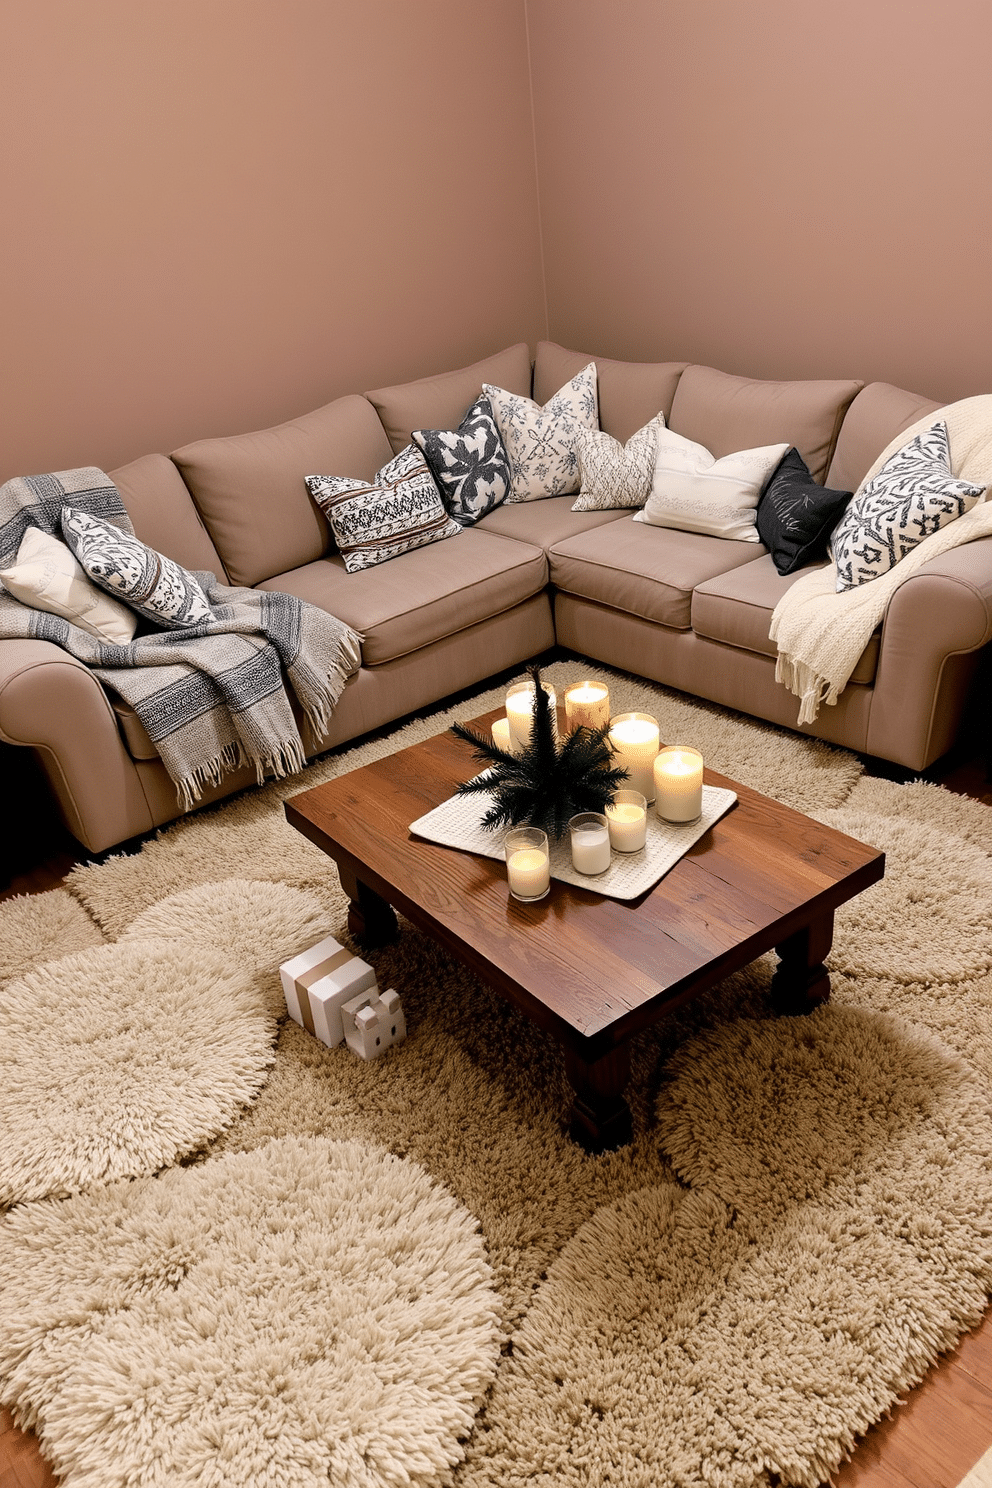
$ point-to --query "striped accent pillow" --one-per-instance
(398, 510)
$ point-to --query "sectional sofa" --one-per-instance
(687, 610)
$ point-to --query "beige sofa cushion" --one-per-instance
(736, 608)
(544, 523)
(422, 596)
(630, 393)
(726, 413)
(136, 740)
(646, 571)
(877, 415)
(249, 488)
(163, 515)
(441, 402)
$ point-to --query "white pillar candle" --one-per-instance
(520, 712)
(587, 705)
(590, 837)
(678, 774)
(634, 738)
(501, 736)
(528, 865)
(627, 818)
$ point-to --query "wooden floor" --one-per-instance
(931, 1440)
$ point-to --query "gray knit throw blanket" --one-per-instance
(211, 698)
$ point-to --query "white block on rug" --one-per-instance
(318, 982)
(373, 1024)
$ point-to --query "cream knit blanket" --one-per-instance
(820, 634)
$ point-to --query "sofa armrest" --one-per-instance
(52, 703)
(936, 624)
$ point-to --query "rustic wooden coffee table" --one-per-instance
(591, 970)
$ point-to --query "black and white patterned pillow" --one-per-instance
(149, 582)
(469, 463)
(913, 495)
(372, 521)
(540, 442)
(612, 474)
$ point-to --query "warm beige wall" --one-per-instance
(220, 213)
(783, 188)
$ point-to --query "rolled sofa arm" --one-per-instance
(935, 627)
(52, 703)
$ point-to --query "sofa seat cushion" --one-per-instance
(725, 414)
(544, 523)
(250, 488)
(136, 740)
(646, 571)
(421, 596)
(736, 608)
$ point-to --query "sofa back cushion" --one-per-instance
(162, 512)
(630, 393)
(877, 415)
(441, 402)
(250, 488)
(727, 413)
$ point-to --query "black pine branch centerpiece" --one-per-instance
(548, 782)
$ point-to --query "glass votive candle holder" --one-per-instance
(587, 705)
(678, 776)
(590, 838)
(627, 818)
(634, 739)
(520, 713)
(528, 863)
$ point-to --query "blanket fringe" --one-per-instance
(321, 696)
(806, 684)
(288, 758)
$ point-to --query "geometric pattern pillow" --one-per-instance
(541, 441)
(612, 474)
(694, 492)
(796, 515)
(398, 510)
(913, 495)
(149, 582)
(469, 463)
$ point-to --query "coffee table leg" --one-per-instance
(802, 982)
(370, 919)
(600, 1117)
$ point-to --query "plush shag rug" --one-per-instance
(120, 1059)
(802, 1224)
(315, 1312)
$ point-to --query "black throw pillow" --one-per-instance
(469, 463)
(796, 516)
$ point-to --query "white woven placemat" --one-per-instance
(457, 823)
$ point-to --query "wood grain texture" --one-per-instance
(594, 970)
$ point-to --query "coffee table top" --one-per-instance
(583, 965)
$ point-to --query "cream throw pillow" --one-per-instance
(540, 442)
(612, 474)
(46, 576)
(694, 492)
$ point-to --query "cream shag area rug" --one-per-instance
(119, 1059)
(315, 1312)
(802, 1224)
